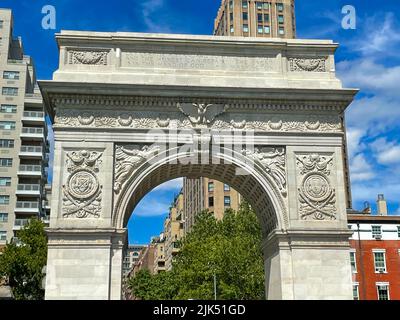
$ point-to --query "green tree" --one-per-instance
(229, 249)
(22, 263)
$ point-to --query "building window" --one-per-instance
(3, 235)
(227, 187)
(7, 125)
(3, 217)
(211, 187)
(383, 291)
(6, 162)
(5, 143)
(227, 201)
(245, 16)
(281, 30)
(260, 17)
(377, 232)
(260, 29)
(245, 5)
(245, 28)
(356, 293)
(279, 6)
(266, 17)
(267, 29)
(4, 199)
(353, 262)
(10, 91)
(5, 181)
(11, 75)
(380, 262)
(280, 19)
(8, 108)
(211, 201)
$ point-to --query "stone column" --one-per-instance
(308, 265)
(84, 264)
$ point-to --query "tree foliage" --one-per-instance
(22, 263)
(229, 249)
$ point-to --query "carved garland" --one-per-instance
(82, 193)
(317, 197)
(283, 123)
(308, 64)
(88, 57)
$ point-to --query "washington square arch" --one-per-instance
(266, 116)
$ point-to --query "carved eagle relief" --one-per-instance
(202, 113)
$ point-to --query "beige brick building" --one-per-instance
(249, 18)
(173, 231)
(23, 136)
(204, 193)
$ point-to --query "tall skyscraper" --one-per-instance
(23, 136)
(249, 18)
(207, 194)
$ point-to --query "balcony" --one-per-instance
(30, 170)
(20, 223)
(28, 190)
(32, 133)
(27, 207)
(33, 117)
(46, 205)
(31, 152)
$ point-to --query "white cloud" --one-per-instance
(150, 12)
(387, 153)
(379, 37)
(152, 207)
(360, 169)
(172, 185)
(354, 136)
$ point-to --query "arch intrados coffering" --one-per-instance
(254, 187)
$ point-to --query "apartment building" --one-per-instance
(375, 253)
(23, 136)
(159, 254)
(256, 18)
(132, 256)
(173, 230)
(203, 193)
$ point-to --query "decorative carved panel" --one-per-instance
(88, 57)
(273, 161)
(317, 196)
(127, 160)
(82, 194)
(317, 64)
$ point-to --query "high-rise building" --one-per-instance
(250, 18)
(23, 136)
(173, 230)
(207, 194)
(375, 253)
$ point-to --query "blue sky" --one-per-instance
(368, 58)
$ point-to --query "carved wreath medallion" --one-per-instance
(317, 197)
(82, 194)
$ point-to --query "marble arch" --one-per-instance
(113, 94)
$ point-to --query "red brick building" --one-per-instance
(375, 256)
